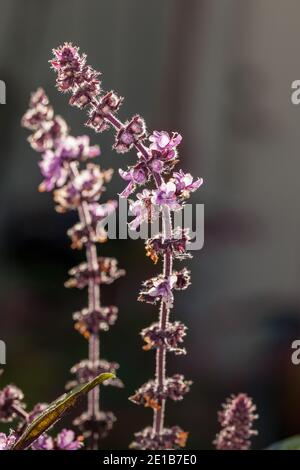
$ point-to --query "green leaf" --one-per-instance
(291, 443)
(55, 411)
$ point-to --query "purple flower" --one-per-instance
(39, 110)
(108, 104)
(43, 442)
(166, 196)
(142, 209)
(165, 144)
(46, 127)
(53, 166)
(136, 175)
(158, 288)
(66, 440)
(132, 132)
(185, 184)
(163, 289)
(90, 181)
(85, 95)
(76, 148)
(6, 442)
(47, 134)
(33, 117)
(73, 75)
(38, 97)
(156, 165)
(67, 55)
(10, 396)
(100, 211)
(69, 65)
(53, 171)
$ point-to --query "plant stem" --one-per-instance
(20, 412)
(160, 373)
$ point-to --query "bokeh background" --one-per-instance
(220, 72)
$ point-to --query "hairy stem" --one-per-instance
(160, 373)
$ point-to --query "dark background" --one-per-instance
(219, 72)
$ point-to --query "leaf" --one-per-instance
(291, 443)
(55, 411)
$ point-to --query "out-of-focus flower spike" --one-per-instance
(236, 418)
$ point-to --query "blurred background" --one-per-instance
(221, 74)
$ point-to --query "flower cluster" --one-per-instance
(176, 245)
(161, 289)
(6, 442)
(88, 322)
(151, 395)
(78, 184)
(11, 398)
(170, 337)
(65, 440)
(105, 271)
(72, 72)
(157, 155)
(107, 105)
(161, 160)
(86, 370)
(132, 132)
(99, 425)
(170, 439)
(45, 126)
(236, 418)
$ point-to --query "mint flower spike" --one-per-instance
(157, 155)
(77, 184)
(236, 418)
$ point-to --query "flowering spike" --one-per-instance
(236, 418)
(77, 184)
